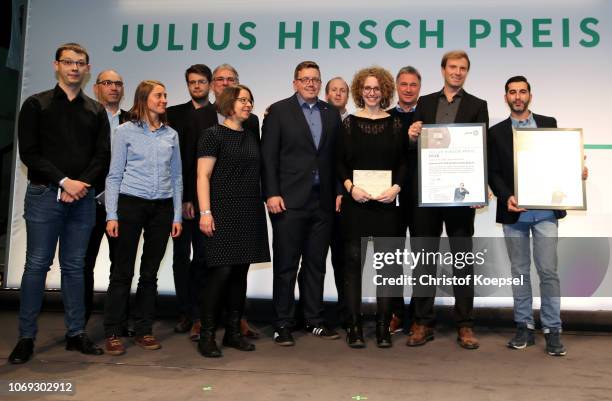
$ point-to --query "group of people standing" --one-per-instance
(200, 173)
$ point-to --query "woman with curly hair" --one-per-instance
(372, 140)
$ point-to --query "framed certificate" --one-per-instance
(548, 165)
(452, 165)
(373, 182)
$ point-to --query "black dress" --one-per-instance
(241, 234)
(368, 144)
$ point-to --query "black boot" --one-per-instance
(207, 344)
(354, 334)
(383, 336)
(233, 337)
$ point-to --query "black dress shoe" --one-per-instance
(354, 336)
(282, 336)
(22, 352)
(383, 335)
(83, 344)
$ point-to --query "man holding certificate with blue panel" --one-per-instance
(449, 106)
(518, 223)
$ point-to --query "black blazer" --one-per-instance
(100, 183)
(501, 166)
(471, 109)
(290, 157)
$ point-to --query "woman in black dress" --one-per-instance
(372, 140)
(232, 217)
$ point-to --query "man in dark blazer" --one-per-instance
(519, 223)
(450, 105)
(299, 184)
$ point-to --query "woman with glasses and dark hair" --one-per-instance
(232, 217)
(372, 140)
(143, 195)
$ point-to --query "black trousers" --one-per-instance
(97, 233)
(300, 233)
(426, 228)
(224, 286)
(187, 270)
(153, 219)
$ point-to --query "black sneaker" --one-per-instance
(22, 352)
(523, 338)
(83, 344)
(321, 330)
(282, 336)
(553, 343)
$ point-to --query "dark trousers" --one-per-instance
(224, 286)
(187, 272)
(300, 233)
(153, 219)
(426, 228)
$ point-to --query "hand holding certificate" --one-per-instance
(375, 182)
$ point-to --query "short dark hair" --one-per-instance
(75, 47)
(408, 70)
(138, 112)
(227, 98)
(333, 79)
(517, 78)
(303, 65)
(200, 69)
(453, 55)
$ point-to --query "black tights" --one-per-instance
(224, 286)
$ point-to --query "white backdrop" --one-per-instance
(563, 48)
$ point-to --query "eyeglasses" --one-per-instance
(108, 82)
(244, 100)
(70, 63)
(371, 89)
(307, 80)
(225, 79)
(198, 82)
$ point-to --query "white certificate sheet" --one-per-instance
(452, 165)
(373, 182)
(548, 166)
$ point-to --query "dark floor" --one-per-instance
(315, 369)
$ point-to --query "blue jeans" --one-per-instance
(545, 238)
(48, 220)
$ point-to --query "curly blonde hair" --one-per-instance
(385, 81)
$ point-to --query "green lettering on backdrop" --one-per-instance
(247, 35)
(171, 45)
(476, 33)
(539, 31)
(438, 34)
(211, 36)
(369, 34)
(584, 27)
(315, 34)
(510, 29)
(566, 33)
(194, 36)
(389, 34)
(140, 40)
(334, 36)
(124, 40)
(283, 35)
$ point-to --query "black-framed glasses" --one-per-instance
(69, 63)
(198, 82)
(371, 89)
(244, 100)
(308, 80)
(231, 80)
(108, 82)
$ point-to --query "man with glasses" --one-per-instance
(109, 92)
(184, 119)
(64, 142)
(299, 184)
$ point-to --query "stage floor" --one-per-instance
(315, 369)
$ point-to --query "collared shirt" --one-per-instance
(400, 109)
(313, 118)
(447, 111)
(531, 216)
(61, 138)
(344, 114)
(146, 164)
(113, 120)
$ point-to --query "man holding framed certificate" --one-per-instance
(519, 223)
(449, 106)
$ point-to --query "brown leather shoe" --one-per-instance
(419, 335)
(194, 334)
(247, 330)
(466, 338)
(148, 342)
(395, 325)
(114, 346)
